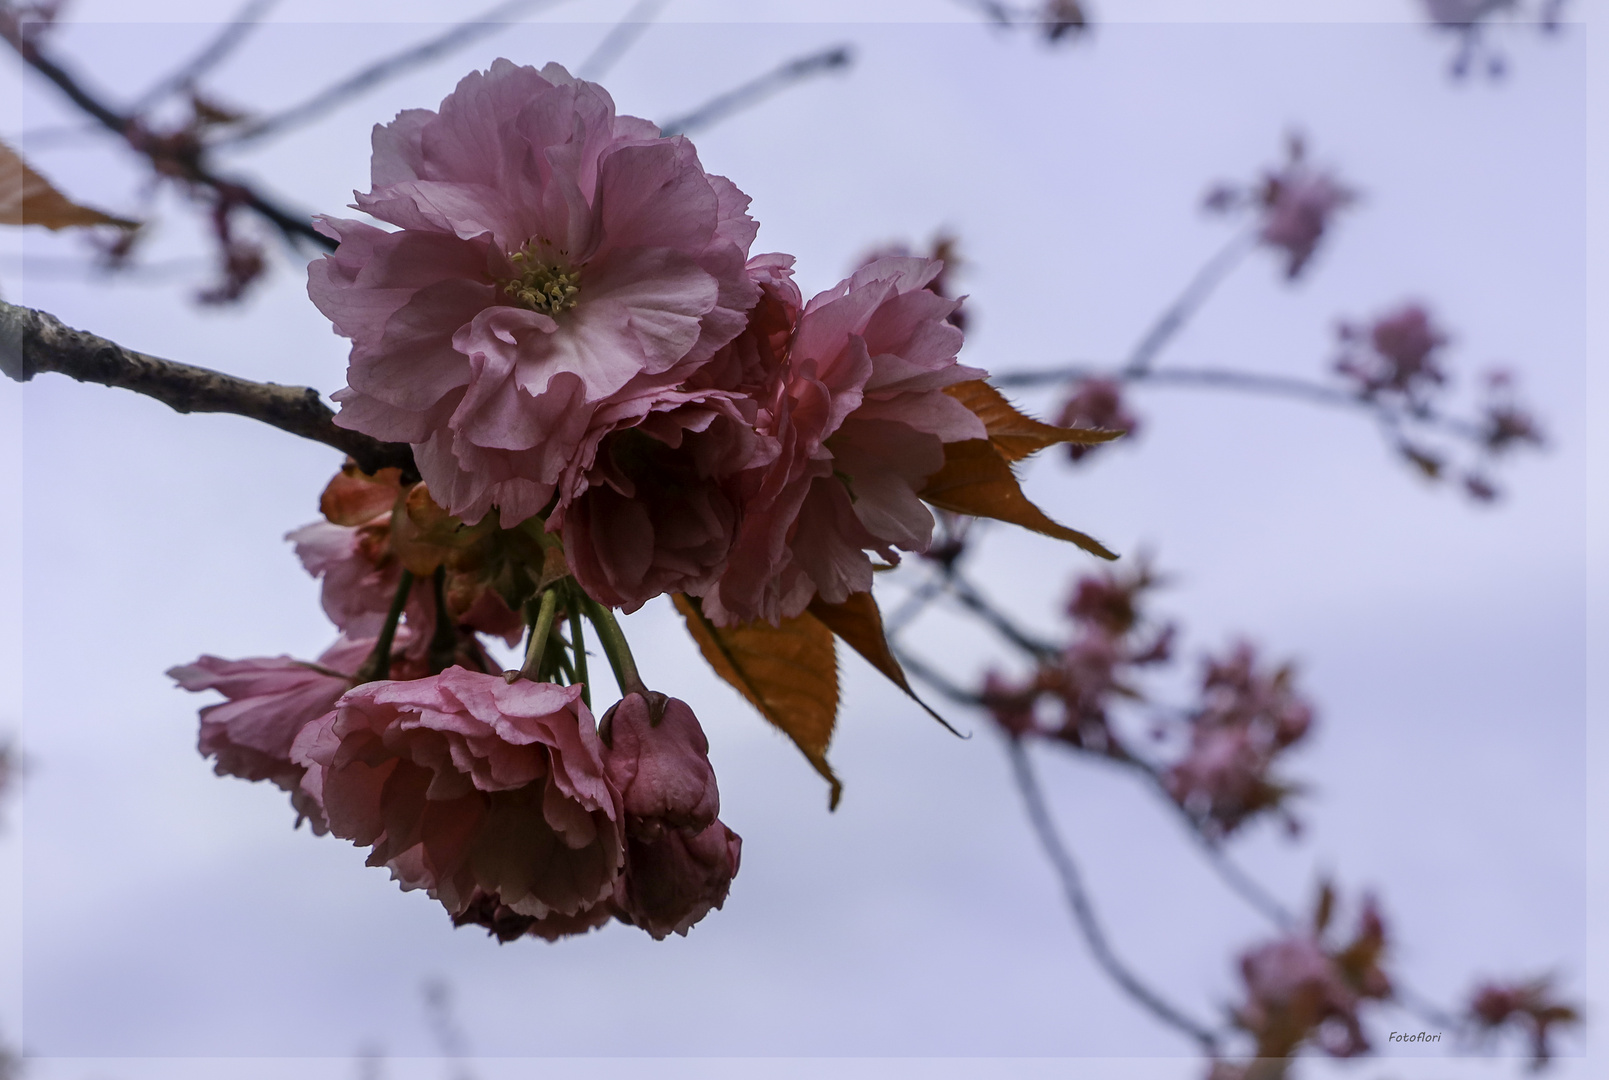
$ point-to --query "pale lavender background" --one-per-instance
(166, 916)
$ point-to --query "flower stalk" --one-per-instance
(378, 665)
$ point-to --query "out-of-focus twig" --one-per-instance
(181, 160)
(1083, 911)
(833, 58)
(34, 341)
(1177, 314)
(1245, 382)
(620, 37)
(211, 54)
(483, 25)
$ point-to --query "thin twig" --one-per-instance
(1248, 382)
(483, 25)
(189, 167)
(622, 36)
(719, 107)
(35, 341)
(1083, 911)
(969, 597)
(1178, 313)
(214, 52)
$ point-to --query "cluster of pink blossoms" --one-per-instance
(1228, 744)
(566, 324)
(607, 400)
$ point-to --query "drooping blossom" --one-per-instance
(1532, 1006)
(1096, 403)
(680, 860)
(860, 418)
(1395, 355)
(269, 700)
(558, 273)
(478, 791)
(675, 879)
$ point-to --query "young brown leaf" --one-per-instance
(977, 480)
(788, 672)
(1013, 434)
(860, 624)
(26, 198)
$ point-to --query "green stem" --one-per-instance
(613, 640)
(540, 631)
(578, 645)
(378, 665)
(444, 642)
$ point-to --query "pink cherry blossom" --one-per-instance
(675, 880)
(269, 701)
(660, 768)
(1298, 203)
(558, 271)
(860, 420)
(471, 788)
(1396, 354)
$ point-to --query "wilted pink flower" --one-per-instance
(661, 769)
(559, 272)
(675, 880)
(468, 786)
(1096, 403)
(1395, 354)
(861, 418)
(1532, 1006)
(269, 701)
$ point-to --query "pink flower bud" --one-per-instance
(661, 770)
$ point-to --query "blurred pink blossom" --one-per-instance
(1395, 354)
(1096, 403)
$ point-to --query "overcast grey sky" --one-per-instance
(164, 913)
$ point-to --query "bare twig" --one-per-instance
(622, 36)
(1178, 313)
(1246, 382)
(182, 162)
(753, 92)
(483, 25)
(976, 602)
(1083, 911)
(34, 341)
(225, 42)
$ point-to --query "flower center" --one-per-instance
(541, 286)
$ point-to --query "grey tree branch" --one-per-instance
(35, 341)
